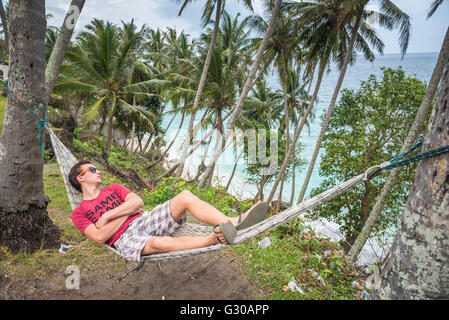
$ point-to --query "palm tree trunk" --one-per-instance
(24, 221)
(290, 203)
(259, 194)
(109, 137)
(298, 131)
(416, 128)
(4, 24)
(330, 110)
(248, 85)
(61, 44)
(133, 130)
(147, 143)
(233, 169)
(199, 91)
(170, 145)
(417, 265)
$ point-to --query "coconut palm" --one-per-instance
(390, 17)
(209, 7)
(244, 93)
(61, 44)
(24, 221)
(102, 68)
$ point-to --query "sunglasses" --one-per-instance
(92, 169)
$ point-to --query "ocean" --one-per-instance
(420, 65)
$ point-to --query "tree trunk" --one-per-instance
(248, 85)
(24, 221)
(199, 91)
(297, 133)
(233, 169)
(170, 145)
(418, 264)
(109, 137)
(290, 203)
(61, 44)
(330, 110)
(4, 24)
(133, 131)
(416, 128)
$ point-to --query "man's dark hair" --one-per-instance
(74, 172)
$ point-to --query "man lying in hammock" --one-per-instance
(113, 216)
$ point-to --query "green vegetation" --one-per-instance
(368, 127)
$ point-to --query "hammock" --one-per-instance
(66, 160)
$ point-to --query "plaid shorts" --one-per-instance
(157, 222)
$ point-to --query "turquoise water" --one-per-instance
(415, 64)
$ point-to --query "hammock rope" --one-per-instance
(66, 160)
(27, 109)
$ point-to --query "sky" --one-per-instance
(426, 36)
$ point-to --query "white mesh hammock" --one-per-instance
(66, 160)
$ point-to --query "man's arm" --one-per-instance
(130, 206)
(103, 234)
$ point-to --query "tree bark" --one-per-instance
(330, 110)
(416, 128)
(61, 44)
(233, 170)
(24, 221)
(417, 267)
(199, 91)
(248, 85)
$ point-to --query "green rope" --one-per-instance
(41, 122)
(424, 155)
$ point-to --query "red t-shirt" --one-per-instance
(89, 211)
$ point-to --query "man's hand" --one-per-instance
(104, 219)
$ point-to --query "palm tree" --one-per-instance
(390, 16)
(206, 17)
(248, 84)
(321, 26)
(61, 44)
(416, 127)
(24, 221)
(102, 67)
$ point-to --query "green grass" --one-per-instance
(297, 254)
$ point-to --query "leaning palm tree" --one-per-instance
(61, 44)
(416, 127)
(101, 68)
(244, 93)
(323, 25)
(390, 16)
(206, 17)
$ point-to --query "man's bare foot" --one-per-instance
(215, 237)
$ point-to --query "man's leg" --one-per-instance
(169, 244)
(200, 209)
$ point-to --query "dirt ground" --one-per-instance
(212, 276)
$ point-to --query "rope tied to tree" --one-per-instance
(423, 155)
(27, 109)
